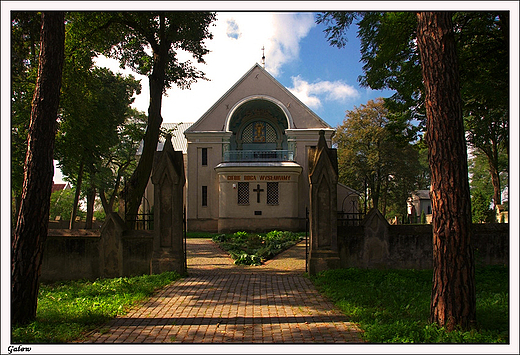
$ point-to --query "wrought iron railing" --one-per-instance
(350, 218)
(142, 221)
(258, 155)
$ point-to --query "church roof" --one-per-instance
(257, 82)
(179, 141)
(422, 194)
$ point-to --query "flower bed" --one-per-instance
(254, 249)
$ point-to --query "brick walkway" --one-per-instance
(220, 302)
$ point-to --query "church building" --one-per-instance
(246, 165)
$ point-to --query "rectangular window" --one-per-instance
(243, 193)
(272, 193)
(204, 159)
(204, 195)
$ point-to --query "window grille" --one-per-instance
(249, 131)
(247, 134)
(243, 193)
(272, 193)
(270, 134)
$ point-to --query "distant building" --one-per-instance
(502, 213)
(418, 202)
(60, 187)
(246, 160)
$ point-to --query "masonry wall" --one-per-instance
(410, 246)
(75, 254)
(71, 255)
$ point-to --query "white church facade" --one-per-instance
(246, 160)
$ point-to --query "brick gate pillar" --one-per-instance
(168, 179)
(323, 219)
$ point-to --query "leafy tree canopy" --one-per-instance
(135, 38)
(373, 150)
(391, 60)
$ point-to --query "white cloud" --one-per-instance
(288, 31)
(311, 94)
(232, 29)
(236, 46)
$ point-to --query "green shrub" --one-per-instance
(221, 238)
(254, 249)
(423, 217)
(240, 235)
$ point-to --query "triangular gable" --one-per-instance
(349, 189)
(303, 116)
(170, 163)
(322, 158)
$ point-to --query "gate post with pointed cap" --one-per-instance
(323, 180)
(168, 179)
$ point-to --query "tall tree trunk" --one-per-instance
(91, 199)
(495, 180)
(103, 197)
(453, 300)
(30, 231)
(134, 191)
(108, 205)
(79, 182)
(492, 153)
(17, 202)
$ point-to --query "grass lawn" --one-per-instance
(393, 306)
(67, 310)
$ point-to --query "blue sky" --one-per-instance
(319, 62)
(297, 54)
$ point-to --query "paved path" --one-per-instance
(220, 302)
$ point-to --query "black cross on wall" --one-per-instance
(258, 190)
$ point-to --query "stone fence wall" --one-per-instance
(115, 251)
(376, 244)
(112, 251)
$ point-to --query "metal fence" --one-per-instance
(347, 219)
(142, 221)
(258, 155)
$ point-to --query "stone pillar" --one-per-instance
(376, 252)
(168, 179)
(111, 246)
(323, 180)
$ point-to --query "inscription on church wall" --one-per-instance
(259, 177)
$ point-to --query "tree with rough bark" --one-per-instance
(149, 43)
(25, 38)
(30, 231)
(391, 60)
(453, 302)
(395, 46)
(483, 47)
